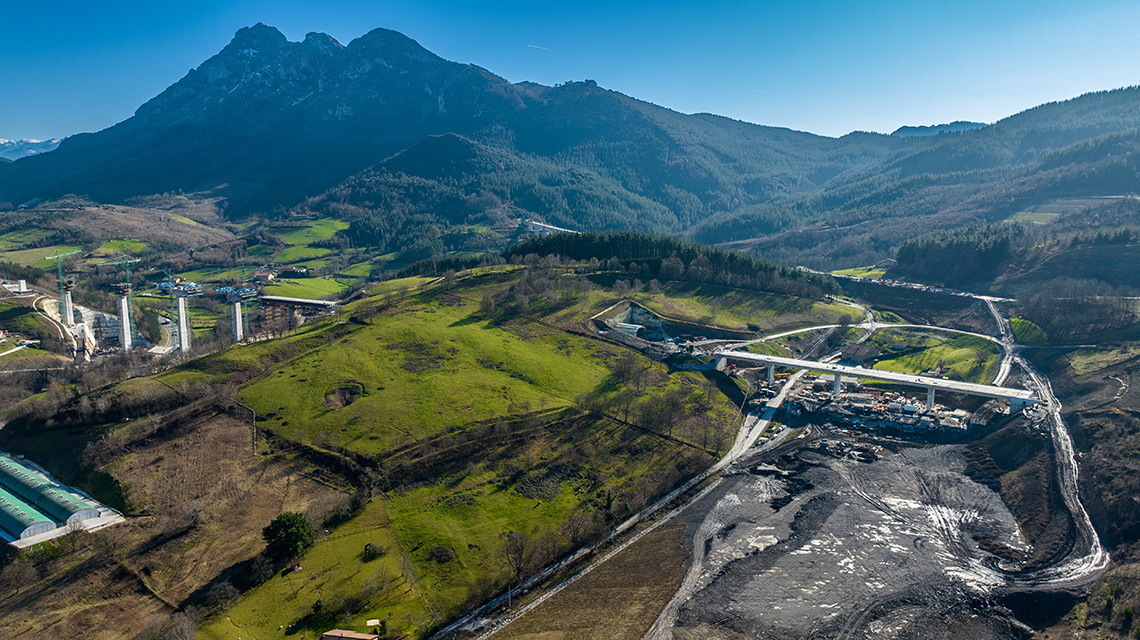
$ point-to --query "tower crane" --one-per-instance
(64, 287)
(125, 301)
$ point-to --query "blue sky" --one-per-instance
(825, 66)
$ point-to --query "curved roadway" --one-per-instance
(1084, 564)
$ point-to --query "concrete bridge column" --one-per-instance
(183, 326)
(929, 398)
(238, 326)
(125, 321)
(67, 309)
(835, 385)
(771, 374)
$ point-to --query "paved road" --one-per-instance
(1084, 565)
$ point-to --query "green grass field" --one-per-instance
(967, 358)
(115, 248)
(472, 507)
(768, 349)
(19, 239)
(737, 309)
(216, 275)
(311, 288)
(401, 284)
(1035, 218)
(472, 423)
(362, 269)
(20, 319)
(1027, 332)
(428, 383)
(185, 220)
(873, 273)
(37, 257)
(332, 568)
(423, 370)
(299, 241)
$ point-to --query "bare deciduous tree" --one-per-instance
(517, 550)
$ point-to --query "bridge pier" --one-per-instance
(929, 398)
(125, 321)
(835, 386)
(771, 374)
(1017, 404)
(238, 326)
(183, 326)
(67, 308)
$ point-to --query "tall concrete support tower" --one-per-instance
(183, 326)
(125, 334)
(239, 327)
(67, 308)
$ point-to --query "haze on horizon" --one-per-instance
(823, 66)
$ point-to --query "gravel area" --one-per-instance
(817, 545)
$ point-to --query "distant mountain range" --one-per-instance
(416, 151)
(957, 126)
(16, 149)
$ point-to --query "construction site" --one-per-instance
(91, 333)
(874, 409)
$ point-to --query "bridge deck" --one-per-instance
(298, 302)
(969, 388)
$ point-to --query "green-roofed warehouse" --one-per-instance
(21, 520)
(43, 494)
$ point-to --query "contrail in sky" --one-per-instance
(535, 46)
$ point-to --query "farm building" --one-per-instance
(33, 504)
(20, 519)
(341, 634)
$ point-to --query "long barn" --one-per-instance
(34, 505)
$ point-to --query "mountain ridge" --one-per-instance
(273, 125)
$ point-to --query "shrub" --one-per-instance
(372, 552)
(288, 535)
(441, 555)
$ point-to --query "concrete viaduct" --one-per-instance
(1018, 398)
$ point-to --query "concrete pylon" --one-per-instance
(239, 328)
(771, 374)
(929, 398)
(125, 336)
(835, 386)
(183, 326)
(67, 308)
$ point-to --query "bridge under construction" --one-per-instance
(1018, 398)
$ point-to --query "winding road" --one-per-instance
(1085, 562)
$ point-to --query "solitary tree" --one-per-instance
(517, 551)
(288, 535)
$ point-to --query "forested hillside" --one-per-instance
(268, 122)
(1077, 148)
(422, 156)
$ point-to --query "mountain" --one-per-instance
(422, 154)
(16, 149)
(276, 121)
(957, 126)
(1075, 149)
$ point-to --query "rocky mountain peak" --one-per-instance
(259, 36)
(322, 42)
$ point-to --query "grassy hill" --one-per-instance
(418, 420)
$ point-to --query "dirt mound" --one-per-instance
(344, 395)
(1019, 464)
